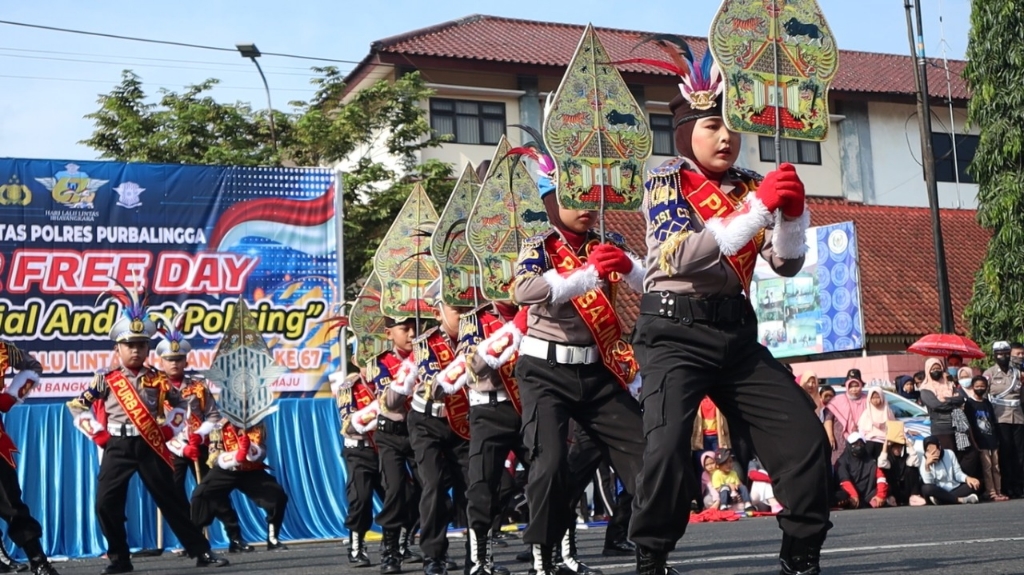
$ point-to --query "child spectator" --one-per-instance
(709, 494)
(943, 481)
(727, 483)
(985, 428)
(899, 462)
(872, 422)
(862, 482)
(761, 493)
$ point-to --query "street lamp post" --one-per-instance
(251, 52)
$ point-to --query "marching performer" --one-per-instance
(132, 439)
(236, 462)
(192, 446)
(572, 364)
(441, 450)
(22, 528)
(707, 222)
(358, 408)
(400, 510)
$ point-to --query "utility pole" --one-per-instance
(924, 116)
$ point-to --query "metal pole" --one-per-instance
(339, 214)
(777, 92)
(270, 107)
(928, 162)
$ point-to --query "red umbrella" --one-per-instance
(947, 344)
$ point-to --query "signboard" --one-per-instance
(196, 238)
(819, 310)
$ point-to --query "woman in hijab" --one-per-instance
(949, 424)
(906, 388)
(809, 383)
(872, 423)
(845, 410)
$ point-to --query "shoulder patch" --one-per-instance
(669, 167)
(422, 338)
(745, 174)
(615, 237)
(537, 240)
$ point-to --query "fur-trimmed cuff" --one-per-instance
(635, 277)
(579, 282)
(732, 233)
(256, 453)
(365, 420)
(205, 428)
(452, 378)
(176, 420)
(498, 349)
(88, 424)
(22, 383)
(405, 379)
(789, 239)
(226, 461)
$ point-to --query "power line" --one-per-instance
(234, 64)
(142, 65)
(85, 80)
(166, 42)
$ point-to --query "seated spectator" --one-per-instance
(727, 483)
(761, 493)
(872, 423)
(862, 482)
(985, 428)
(899, 463)
(906, 388)
(710, 495)
(943, 482)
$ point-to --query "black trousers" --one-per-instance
(122, 458)
(1011, 458)
(683, 362)
(401, 505)
(969, 459)
(943, 497)
(903, 483)
(363, 481)
(494, 432)
(22, 528)
(212, 494)
(552, 394)
(184, 467)
(586, 462)
(442, 459)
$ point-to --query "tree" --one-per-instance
(995, 74)
(191, 127)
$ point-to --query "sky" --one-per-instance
(49, 80)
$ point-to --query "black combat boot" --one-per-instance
(273, 543)
(800, 556)
(238, 545)
(357, 550)
(543, 563)
(8, 565)
(567, 562)
(390, 555)
(405, 547)
(652, 563)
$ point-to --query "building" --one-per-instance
(489, 72)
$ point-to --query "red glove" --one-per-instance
(243, 448)
(506, 310)
(783, 189)
(191, 451)
(167, 432)
(7, 401)
(101, 438)
(195, 440)
(608, 258)
(520, 319)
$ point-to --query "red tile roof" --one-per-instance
(897, 262)
(510, 40)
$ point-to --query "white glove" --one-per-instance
(88, 424)
(365, 420)
(22, 384)
(405, 380)
(226, 461)
(176, 419)
(452, 378)
(498, 349)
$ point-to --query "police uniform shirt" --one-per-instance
(196, 393)
(151, 385)
(999, 381)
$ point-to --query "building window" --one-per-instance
(946, 170)
(664, 140)
(793, 151)
(468, 122)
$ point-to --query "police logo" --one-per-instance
(72, 188)
(128, 195)
(14, 193)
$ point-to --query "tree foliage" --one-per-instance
(995, 74)
(191, 127)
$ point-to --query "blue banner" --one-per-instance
(819, 310)
(195, 237)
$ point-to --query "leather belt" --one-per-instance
(126, 430)
(391, 426)
(427, 407)
(689, 309)
(487, 397)
(559, 353)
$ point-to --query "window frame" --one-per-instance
(481, 116)
(667, 129)
(945, 163)
(799, 147)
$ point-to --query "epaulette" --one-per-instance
(748, 174)
(103, 371)
(615, 237)
(538, 240)
(423, 337)
(669, 167)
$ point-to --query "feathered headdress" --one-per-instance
(702, 82)
(173, 344)
(535, 150)
(134, 323)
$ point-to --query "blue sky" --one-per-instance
(50, 80)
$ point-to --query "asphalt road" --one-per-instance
(963, 539)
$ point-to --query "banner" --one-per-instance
(196, 237)
(819, 310)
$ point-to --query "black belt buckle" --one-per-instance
(124, 430)
(493, 396)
